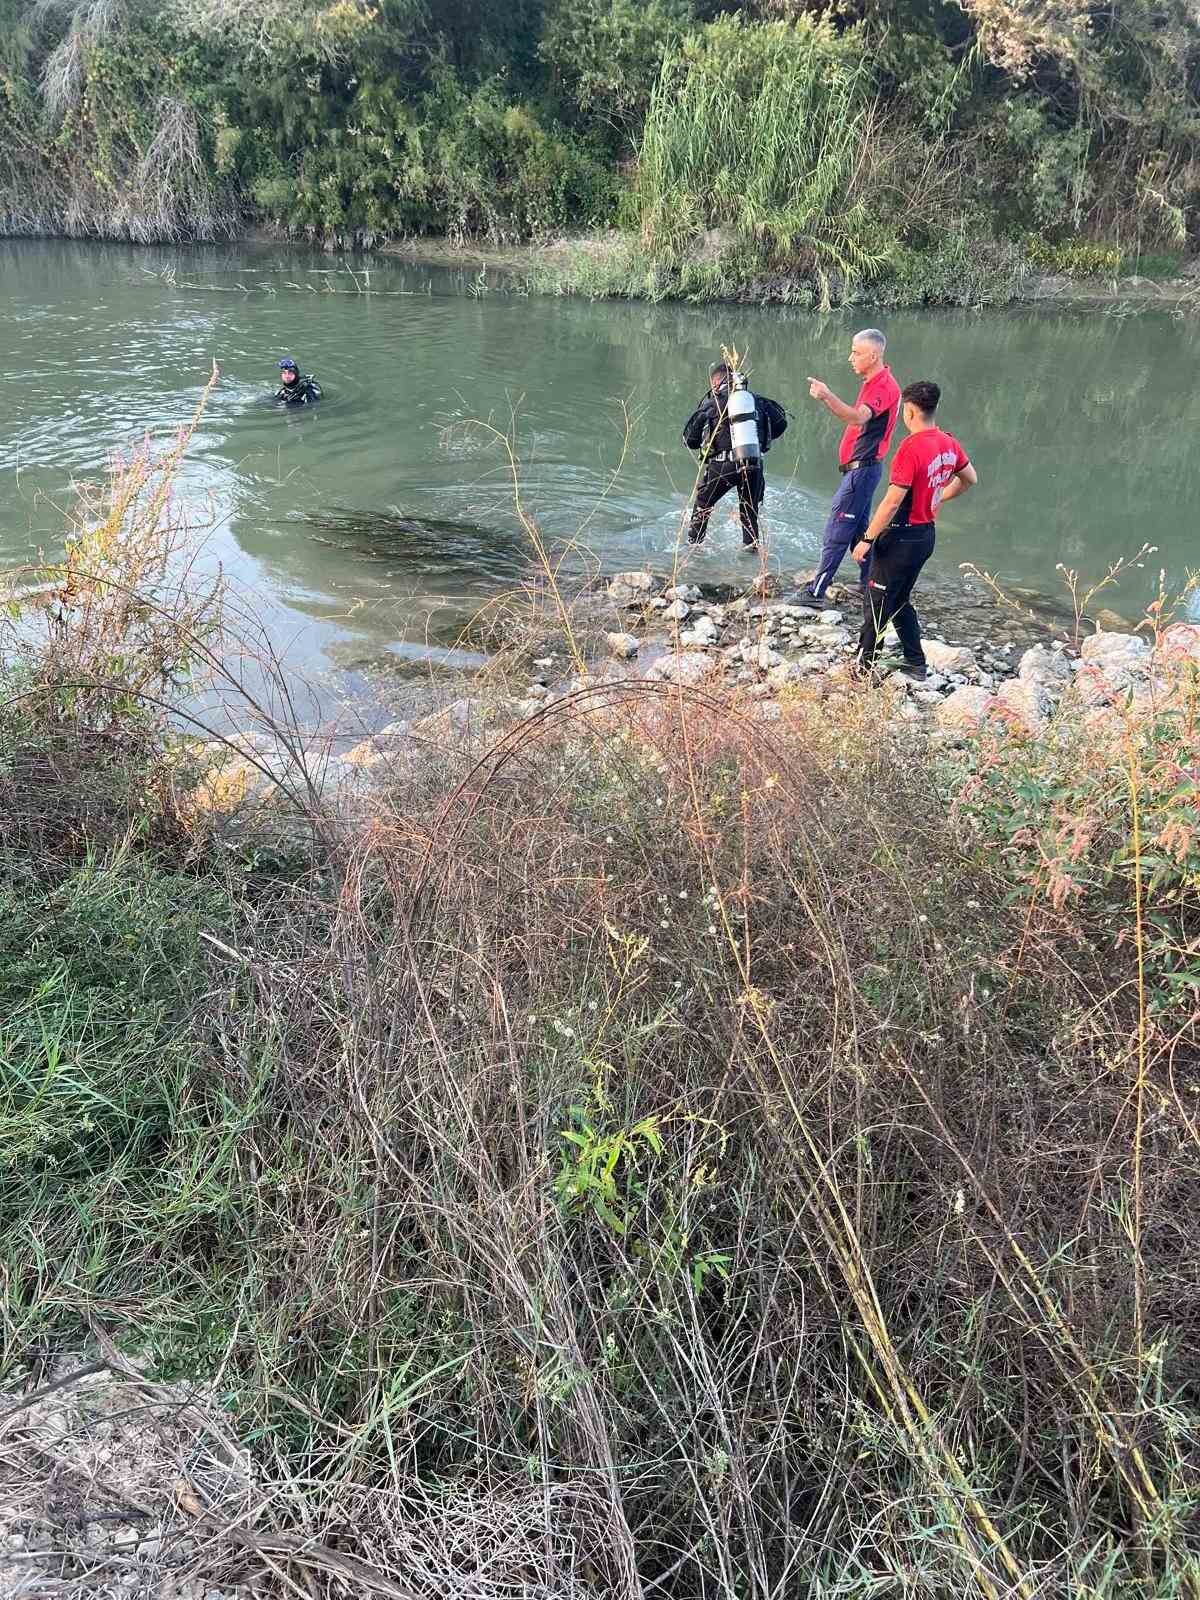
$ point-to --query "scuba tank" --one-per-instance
(741, 411)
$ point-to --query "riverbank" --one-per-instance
(631, 1116)
(611, 265)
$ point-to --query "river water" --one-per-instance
(369, 529)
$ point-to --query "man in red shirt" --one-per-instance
(930, 468)
(869, 424)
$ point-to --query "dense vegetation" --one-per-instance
(919, 144)
(638, 1137)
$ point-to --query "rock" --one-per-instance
(378, 746)
(1099, 683)
(689, 667)
(1102, 647)
(1048, 670)
(768, 711)
(528, 708)
(810, 663)
(677, 611)
(787, 672)
(1026, 700)
(624, 586)
(829, 638)
(1110, 621)
(453, 721)
(622, 645)
(1181, 639)
(682, 591)
(764, 658)
(830, 619)
(965, 708)
(948, 658)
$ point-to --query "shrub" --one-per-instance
(1075, 258)
(759, 130)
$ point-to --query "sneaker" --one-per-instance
(914, 671)
(807, 598)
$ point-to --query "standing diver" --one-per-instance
(296, 388)
(732, 429)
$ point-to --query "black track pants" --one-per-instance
(896, 560)
(716, 480)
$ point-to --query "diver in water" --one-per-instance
(733, 429)
(296, 388)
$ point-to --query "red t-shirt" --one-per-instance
(866, 441)
(924, 465)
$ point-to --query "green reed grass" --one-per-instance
(760, 132)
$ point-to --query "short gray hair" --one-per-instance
(873, 336)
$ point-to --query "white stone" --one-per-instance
(682, 591)
(831, 618)
(829, 638)
(677, 611)
(622, 645)
(948, 658)
(1027, 700)
(1110, 646)
(380, 745)
(1181, 638)
(622, 584)
(1047, 667)
(689, 667)
(964, 708)
(765, 658)
(787, 672)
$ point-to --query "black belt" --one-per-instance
(853, 466)
(728, 455)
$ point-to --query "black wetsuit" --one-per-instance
(707, 429)
(301, 393)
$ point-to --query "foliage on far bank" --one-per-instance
(836, 147)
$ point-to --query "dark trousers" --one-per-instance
(896, 560)
(849, 518)
(716, 480)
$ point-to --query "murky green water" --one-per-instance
(377, 523)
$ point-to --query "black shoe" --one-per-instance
(807, 597)
(914, 671)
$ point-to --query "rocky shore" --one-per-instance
(1012, 662)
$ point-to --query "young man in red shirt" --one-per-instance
(868, 433)
(930, 468)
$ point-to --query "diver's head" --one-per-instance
(718, 377)
(288, 370)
